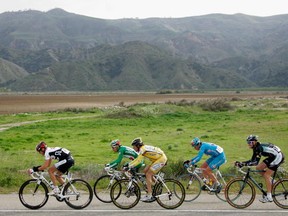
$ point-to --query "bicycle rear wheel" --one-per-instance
(102, 188)
(78, 193)
(169, 195)
(192, 186)
(240, 194)
(125, 195)
(33, 195)
(280, 193)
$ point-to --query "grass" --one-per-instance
(171, 126)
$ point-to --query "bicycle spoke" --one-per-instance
(280, 193)
(240, 194)
(102, 188)
(33, 195)
(78, 194)
(125, 194)
(169, 195)
(192, 186)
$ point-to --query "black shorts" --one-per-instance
(64, 165)
(270, 162)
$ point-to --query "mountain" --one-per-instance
(62, 51)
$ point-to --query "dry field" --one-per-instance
(20, 103)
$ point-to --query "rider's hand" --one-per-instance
(186, 163)
(107, 168)
(238, 164)
(126, 168)
(36, 168)
(30, 171)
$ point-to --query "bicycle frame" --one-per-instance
(197, 172)
(39, 176)
(258, 185)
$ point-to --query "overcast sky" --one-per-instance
(116, 9)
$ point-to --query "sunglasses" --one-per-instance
(250, 142)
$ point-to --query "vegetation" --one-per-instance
(60, 51)
(171, 126)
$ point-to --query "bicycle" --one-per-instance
(76, 193)
(240, 192)
(104, 183)
(194, 183)
(126, 193)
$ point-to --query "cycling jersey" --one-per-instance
(62, 155)
(57, 153)
(123, 151)
(272, 152)
(216, 152)
(150, 152)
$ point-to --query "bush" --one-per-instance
(217, 105)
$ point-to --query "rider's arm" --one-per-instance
(136, 161)
(115, 163)
(198, 157)
(45, 165)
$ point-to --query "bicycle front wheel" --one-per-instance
(33, 195)
(125, 194)
(192, 186)
(102, 188)
(280, 193)
(240, 194)
(78, 194)
(170, 194)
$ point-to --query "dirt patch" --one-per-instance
(22, 103)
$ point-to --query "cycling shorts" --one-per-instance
(216, 162)
(64, 165)
(157, 165)
(274, 162)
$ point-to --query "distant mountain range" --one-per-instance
(61, 51)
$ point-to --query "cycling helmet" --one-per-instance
(40, 146)
(195, 142)
(137, 142)
(252, 138)
(115, 143)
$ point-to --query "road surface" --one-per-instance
(204, 205)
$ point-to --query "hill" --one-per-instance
(62, 51)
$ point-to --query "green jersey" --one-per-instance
(124, 151)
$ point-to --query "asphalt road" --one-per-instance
(203, 206)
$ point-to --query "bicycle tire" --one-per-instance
(240, 194)
(280, 193)
(124, 196)
(171, 195)
(102, 187)
(79, 194)
(33, 195)
(192, 189)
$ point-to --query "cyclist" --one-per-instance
(217, 158)
(65, 161)
(123, 151)
(158, 161)
(274, 157)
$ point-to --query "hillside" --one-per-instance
(61, 51)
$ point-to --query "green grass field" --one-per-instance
(170, 126)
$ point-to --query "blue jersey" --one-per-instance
(207, 149)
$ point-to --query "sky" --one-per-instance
(141, 9)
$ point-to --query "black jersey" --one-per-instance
(57, 153)
(267, 150)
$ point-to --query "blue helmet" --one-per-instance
(195, 142)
